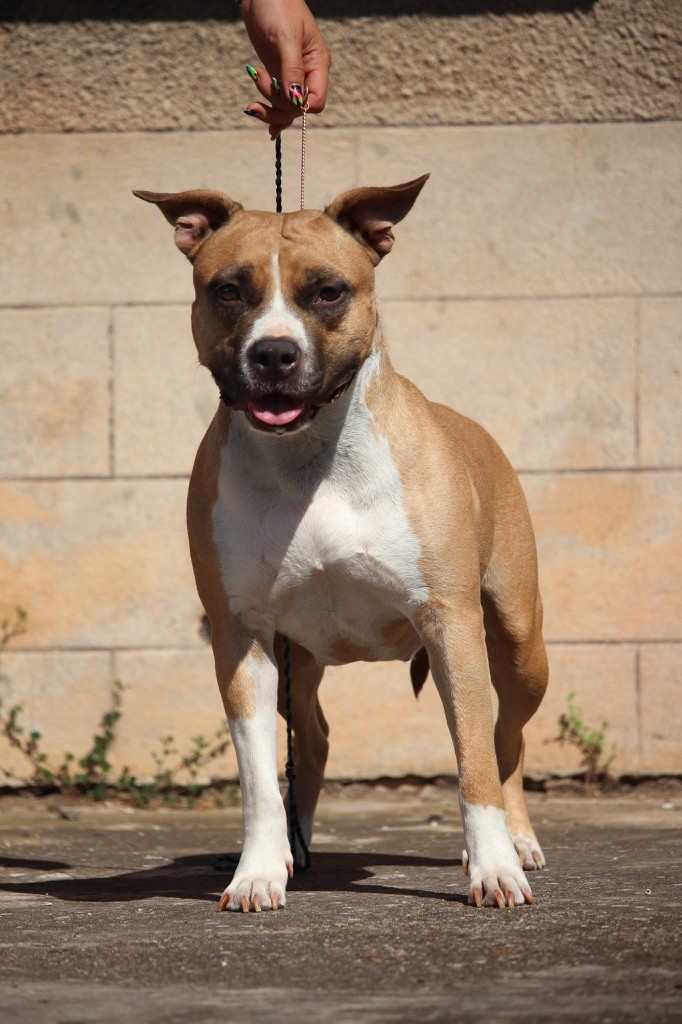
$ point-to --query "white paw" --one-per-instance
(503, 885)
(490, 859)
(259, 883)
(530, 852)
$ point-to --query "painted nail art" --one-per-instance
(276, 86)
(254, 113)
(252, 72)
(296, 94)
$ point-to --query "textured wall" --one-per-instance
(541, 268)
(180, 66)
(535, 286)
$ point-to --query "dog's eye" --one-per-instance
(228, 293)
(329, 294)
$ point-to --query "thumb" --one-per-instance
(317, 82)
(293, 73)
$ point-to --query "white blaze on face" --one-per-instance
(279, 319)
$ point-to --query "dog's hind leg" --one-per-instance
(518, 669)
(519, 674)
(311, 731)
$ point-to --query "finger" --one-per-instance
(292, 78)
(268, 86)
(317, 83)
(276, 120)
(270, 115)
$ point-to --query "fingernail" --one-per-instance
(254, 113)
(252, 71)
(276, 86)
(296, 94)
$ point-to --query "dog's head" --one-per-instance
(284, 314)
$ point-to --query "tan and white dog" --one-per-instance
(331, 503)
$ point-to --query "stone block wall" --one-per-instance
(535, 287)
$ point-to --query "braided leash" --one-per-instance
(278, 173)
(294, 825)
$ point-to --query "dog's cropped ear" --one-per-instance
(370, 213)
(195, 214)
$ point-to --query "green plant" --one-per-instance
(11, 628)
(164, 780)
(91, 774)
(590, 743)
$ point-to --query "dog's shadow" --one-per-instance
(204, 876)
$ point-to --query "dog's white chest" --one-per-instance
(335, 566)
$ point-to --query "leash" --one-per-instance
(278, 163)
(294, 825)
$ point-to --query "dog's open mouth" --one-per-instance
(283, 413)
(276, 411)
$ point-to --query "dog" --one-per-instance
(332, 504)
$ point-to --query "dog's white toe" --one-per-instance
(530, 852)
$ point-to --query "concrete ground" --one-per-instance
(108, 915)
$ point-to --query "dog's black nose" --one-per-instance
(274, 358)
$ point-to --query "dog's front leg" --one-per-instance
(247, 677)
(455, 640)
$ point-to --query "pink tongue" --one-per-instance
(276, 411)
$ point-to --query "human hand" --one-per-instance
(285, 36)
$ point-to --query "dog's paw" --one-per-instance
(504, 885)
(530, 852)
(257, 887)
(490, 859)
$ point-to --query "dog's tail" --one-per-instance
(419, 670)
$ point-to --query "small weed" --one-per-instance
(92, 775)
(170, 763)
(11, 628)
(590, 743)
